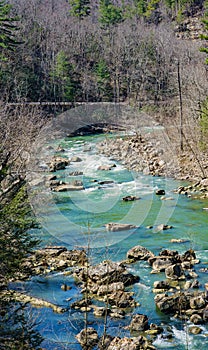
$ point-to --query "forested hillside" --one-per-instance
(102, 51)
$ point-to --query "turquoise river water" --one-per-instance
(76, 219)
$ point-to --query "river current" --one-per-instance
(77, 219)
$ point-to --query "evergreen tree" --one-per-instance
(141, 6)
(66, 82)
(109, 13)
(205, 35)
(103, 80)
(79, 8)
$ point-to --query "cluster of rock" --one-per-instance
(88, 338)
(179, 293)
(106, 282)
(141, 154)
(61, 186)
(58, 163)
(24, 298)
(52, 258)
(195, 190)
(138, 154)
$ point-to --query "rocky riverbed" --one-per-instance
(178, 294)
(106, 288)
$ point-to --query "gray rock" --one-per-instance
(130, 198)
(139, 322)
(112, 226)
(139, 253)
(68, 187)
(76, 159)
(76, 173)
(195, 330)
(163, 227)
(58, 163)
(106, 167)
(113, 287)
(196, 319)
(174, 272)
(161, 263)
(88, 338)
(198, 302)
(160, 192)
(170, 304)
(161, 285)
(121, 299)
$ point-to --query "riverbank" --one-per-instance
(150, 154)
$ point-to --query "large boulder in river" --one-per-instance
(78, 186)
(121, 299)
(160, 264)
(88, 338)
(170, 304)
(174, 272)
(139, 253)
(76, 159)
(138, 343)
(76, 173)
(58, 163)
(160, 192)
(105, 278)
(112, 226)
(106, 167)
(110, 272)
(163, 227)
(139, 322)
(113, 287)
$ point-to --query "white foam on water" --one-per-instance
(143, 286)
(183, 337)
(201, 254)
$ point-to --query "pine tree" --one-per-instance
(205, 35)
(103, 80)
(109, 13)
(80, 8)
(65, 79)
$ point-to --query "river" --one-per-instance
(77, 219)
